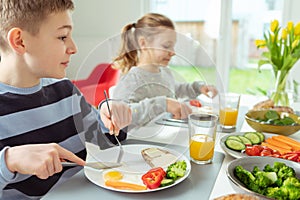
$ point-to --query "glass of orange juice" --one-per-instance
(229, 107)
(202, 131)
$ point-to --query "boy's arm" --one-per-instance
(6, 176)
(42, 160)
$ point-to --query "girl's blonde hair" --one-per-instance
(147, 26)
(27, 15)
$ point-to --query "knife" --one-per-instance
(184, 121)
(95, 165)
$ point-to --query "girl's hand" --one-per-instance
(121, 116)
(42, 160)
(209, 90)
(179, 110)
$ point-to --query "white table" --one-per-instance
(81, 188)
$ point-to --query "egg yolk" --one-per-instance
(113, 176)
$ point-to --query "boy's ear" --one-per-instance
(15, 40)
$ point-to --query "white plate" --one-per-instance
(134, 166)
(233, 153)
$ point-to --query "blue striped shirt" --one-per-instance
(53, 111)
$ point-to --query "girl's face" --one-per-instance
(48, 53)
(159, 49)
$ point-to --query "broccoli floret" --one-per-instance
(291, 188)
(292, 181)
(283, 173)
(176, 170)
(275, 192)
(278, 165)
(286, 172)
(244, 175)
(291, 192)
(265, 179)
(268, 168)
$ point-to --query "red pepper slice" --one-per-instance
(152, 179)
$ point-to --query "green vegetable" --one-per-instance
(176, 170)
(273, 117)
(235, 145)
(272, 114)
(253, 137)
(278, 182)
(166, 182)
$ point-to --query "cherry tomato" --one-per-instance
(252, 151)
(266, 152)
(195, 102)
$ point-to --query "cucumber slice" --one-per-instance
(235, 145)
(245, 140)
(166, 182)
(253, 137)
(261, 136)
(233, 137)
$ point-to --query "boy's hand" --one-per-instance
(121, 116)
(209, 90)
(179, 110)
(42, 160)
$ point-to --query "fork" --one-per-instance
(121, 151)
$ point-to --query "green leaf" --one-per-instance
(262, 62)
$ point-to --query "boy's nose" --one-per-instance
(72, 49)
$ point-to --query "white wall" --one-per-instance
(95, 21)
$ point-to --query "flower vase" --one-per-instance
(279, 95)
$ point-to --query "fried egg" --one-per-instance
(114, 175)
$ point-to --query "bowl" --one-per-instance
(252, 116)
(248, 163)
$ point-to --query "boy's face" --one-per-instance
(48, 53)
(161, 48)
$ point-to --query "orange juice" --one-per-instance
(228, 116)
(201, 147)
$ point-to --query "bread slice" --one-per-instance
(156, 157)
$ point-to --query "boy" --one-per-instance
(44, 119)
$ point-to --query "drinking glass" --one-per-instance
(228, 109)
(202, 131)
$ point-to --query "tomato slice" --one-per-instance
(152, 179)
(252, 151)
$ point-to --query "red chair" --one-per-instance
(101, 78)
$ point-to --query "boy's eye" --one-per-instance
(63, 38)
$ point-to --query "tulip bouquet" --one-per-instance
(283, 51)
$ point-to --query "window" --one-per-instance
(202, 20)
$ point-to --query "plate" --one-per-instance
(233, 153)
(134, 166)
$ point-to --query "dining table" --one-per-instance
(207, 181)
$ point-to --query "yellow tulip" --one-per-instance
(274, 25)
(260, 43)
(297, 29)
(284, 34)
(295, 43)
(290, 26)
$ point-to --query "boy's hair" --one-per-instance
(148, 26)
(27, 15)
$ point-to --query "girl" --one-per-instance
(147, 83)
